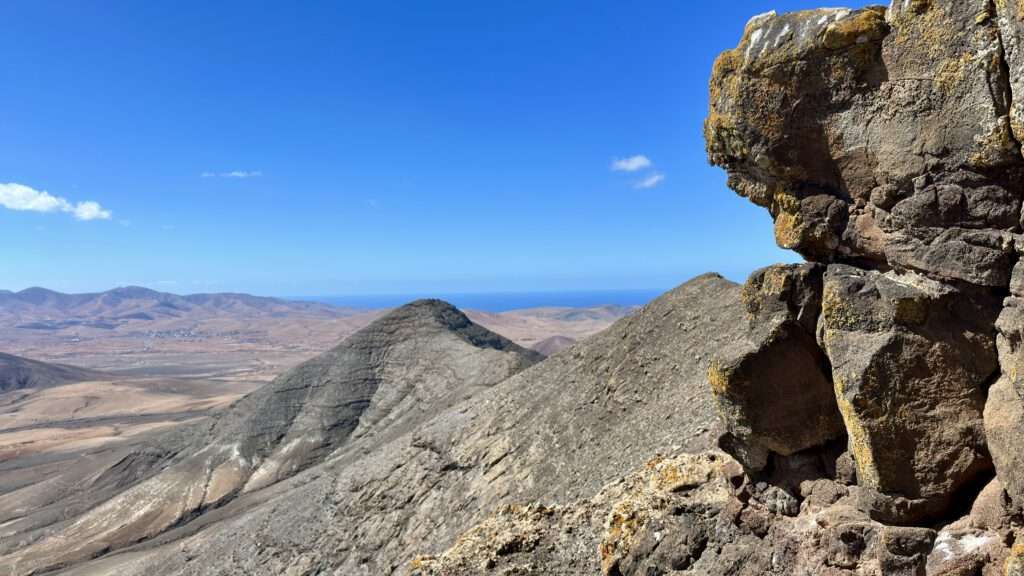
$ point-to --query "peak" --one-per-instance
(35, 291)
(428, 309)
(434, 316)
(429, 304)
(134, 292)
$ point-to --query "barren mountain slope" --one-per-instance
(378, 384)
(17, 373)
(555, 432)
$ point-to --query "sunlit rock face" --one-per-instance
(882, 138)
(883, 143)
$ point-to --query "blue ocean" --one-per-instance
(500, 301)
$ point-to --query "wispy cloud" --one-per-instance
(25, 198)
(233, 174)
(631, 164)
(650, 182)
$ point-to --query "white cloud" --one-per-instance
(233, 174)
(650, 182)
(91, 211)
(631, 164)
(25, 198)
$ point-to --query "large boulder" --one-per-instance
(772, 387)
(1004, 410)
(910, 360)
(876, 137)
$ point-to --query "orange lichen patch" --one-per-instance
(676, 475)
(952, 72)
(789, 230)
(909, 311)
(773, 283)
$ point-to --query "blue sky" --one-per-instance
(371, 147)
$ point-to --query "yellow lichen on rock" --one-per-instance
(1014, 565)
(859, 441)
(859, 28)
(718, 378)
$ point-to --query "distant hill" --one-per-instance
(141, 332)
(42, 309)
(18, 373)
(553, 345)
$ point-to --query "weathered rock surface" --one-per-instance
(882, 142)
(1004, 410)
(693, 514)
(877, 136)
(771, 386)
(885, 143)
(910, 361)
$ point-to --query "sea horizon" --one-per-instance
(496, 301)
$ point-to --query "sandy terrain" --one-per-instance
(75, 417)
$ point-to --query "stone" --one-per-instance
(885, 138)
(771, 387)
(1004, 410)
(1004, 426)
(910, 358)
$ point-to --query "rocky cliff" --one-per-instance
(885, 145)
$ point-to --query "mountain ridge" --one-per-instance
(379, 383)
(557, 430)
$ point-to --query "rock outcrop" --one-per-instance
(885, 144)
(771, 386)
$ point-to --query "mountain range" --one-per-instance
(141, 332)
(383, 448)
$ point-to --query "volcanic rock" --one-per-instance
(771, 387)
